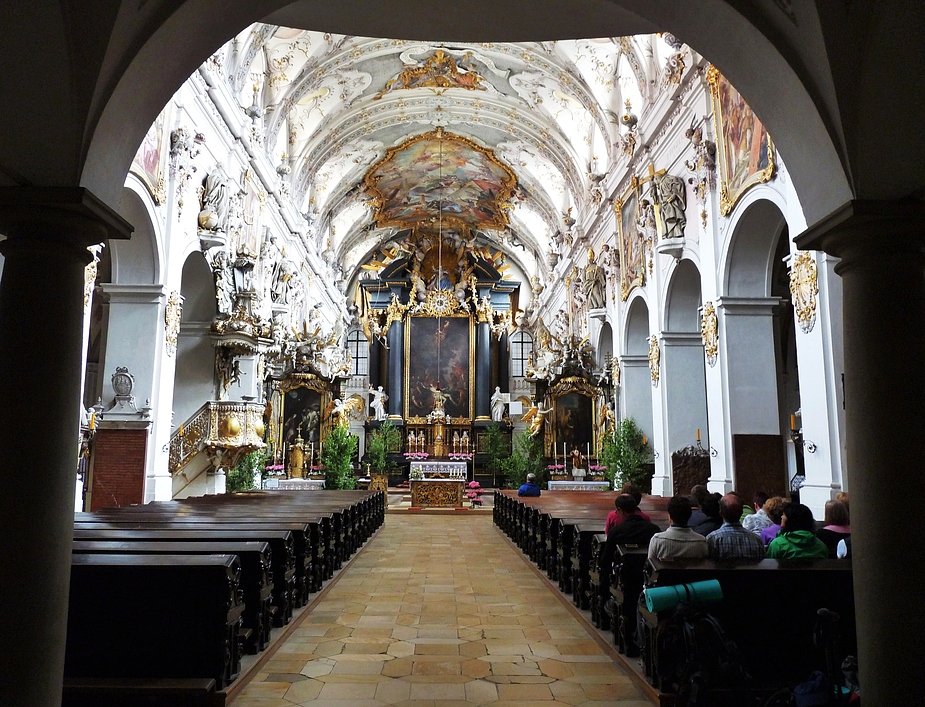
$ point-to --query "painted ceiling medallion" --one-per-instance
(655, 356)
(709, 333)
(441, 172)
(439, 71)
(804, 289)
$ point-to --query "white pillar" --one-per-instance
(821, 366)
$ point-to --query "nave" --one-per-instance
(439, 611)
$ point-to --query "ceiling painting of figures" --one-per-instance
(441, 178)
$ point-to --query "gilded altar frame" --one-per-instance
(734, 122)
(561, 395)
(277, 398)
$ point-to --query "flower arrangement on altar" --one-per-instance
(474, 493)
(275, 469)
(461, 456)
(416, 475)
(556, 468)
(416, 456)
(597, 468)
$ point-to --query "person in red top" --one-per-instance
(614, 518)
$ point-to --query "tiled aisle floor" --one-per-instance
(439, 611)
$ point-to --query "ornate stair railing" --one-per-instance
(224, 430)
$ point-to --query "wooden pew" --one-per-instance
(154, 616)
(143, 519)
(769, 609)
(627, 579)
(256, 574)
(281, 552)
(141, 692)
(582, 536)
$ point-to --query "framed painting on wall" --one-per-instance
(439, 354)
(745, 152)
(630, 241)
(150, 162)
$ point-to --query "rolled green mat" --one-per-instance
(665, 598)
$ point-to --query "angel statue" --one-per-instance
(534, 417)
(341, 409)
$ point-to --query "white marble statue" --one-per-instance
(497, 405)
(377, 404)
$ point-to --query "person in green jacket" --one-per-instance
(797, 539)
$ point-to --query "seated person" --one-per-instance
(774, 508)
(530, 488)
(710, 507)
(757, 521)
(731, 541)
(632, 529)
(679, 541)
(697, 515)
(613, 518)
(837, 525)
(797, 539)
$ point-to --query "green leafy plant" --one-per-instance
(243, 476)
(496, 448)
(379, 444)
(526, 458)
(625, 455)
(336, 457)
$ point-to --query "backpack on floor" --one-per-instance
(693, 654)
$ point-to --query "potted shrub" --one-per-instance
(339, 448)
(526, 458)
(626, 456)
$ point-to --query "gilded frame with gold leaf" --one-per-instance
(744, 149)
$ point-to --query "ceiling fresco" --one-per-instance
(530, 131)
(439, 178)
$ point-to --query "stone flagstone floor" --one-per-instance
(437, 611)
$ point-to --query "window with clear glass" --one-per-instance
(358, 348)
(521, 350)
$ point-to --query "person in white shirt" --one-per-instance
(679, 541)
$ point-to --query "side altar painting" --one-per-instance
(631, 242)
(444, 370)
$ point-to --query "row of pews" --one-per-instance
(781, 616)
(167, 597)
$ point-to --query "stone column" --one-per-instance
(41, 307)
(396, 369)
(482, 380)
(882, 247)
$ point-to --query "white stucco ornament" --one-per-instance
(804, 289)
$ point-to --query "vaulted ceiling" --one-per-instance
(348, 118)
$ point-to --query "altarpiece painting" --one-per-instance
(439, 355)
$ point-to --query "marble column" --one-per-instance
(882, 249)
(482, 380)
(41, 308)
(396, 369)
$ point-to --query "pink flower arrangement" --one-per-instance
(474, 494)
(555, 467)
(461, 456)
(597, 467)
(275, 468)
(416, 455)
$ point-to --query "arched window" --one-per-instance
(521, 350)
(358, 348)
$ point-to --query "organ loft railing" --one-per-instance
(224, 430)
